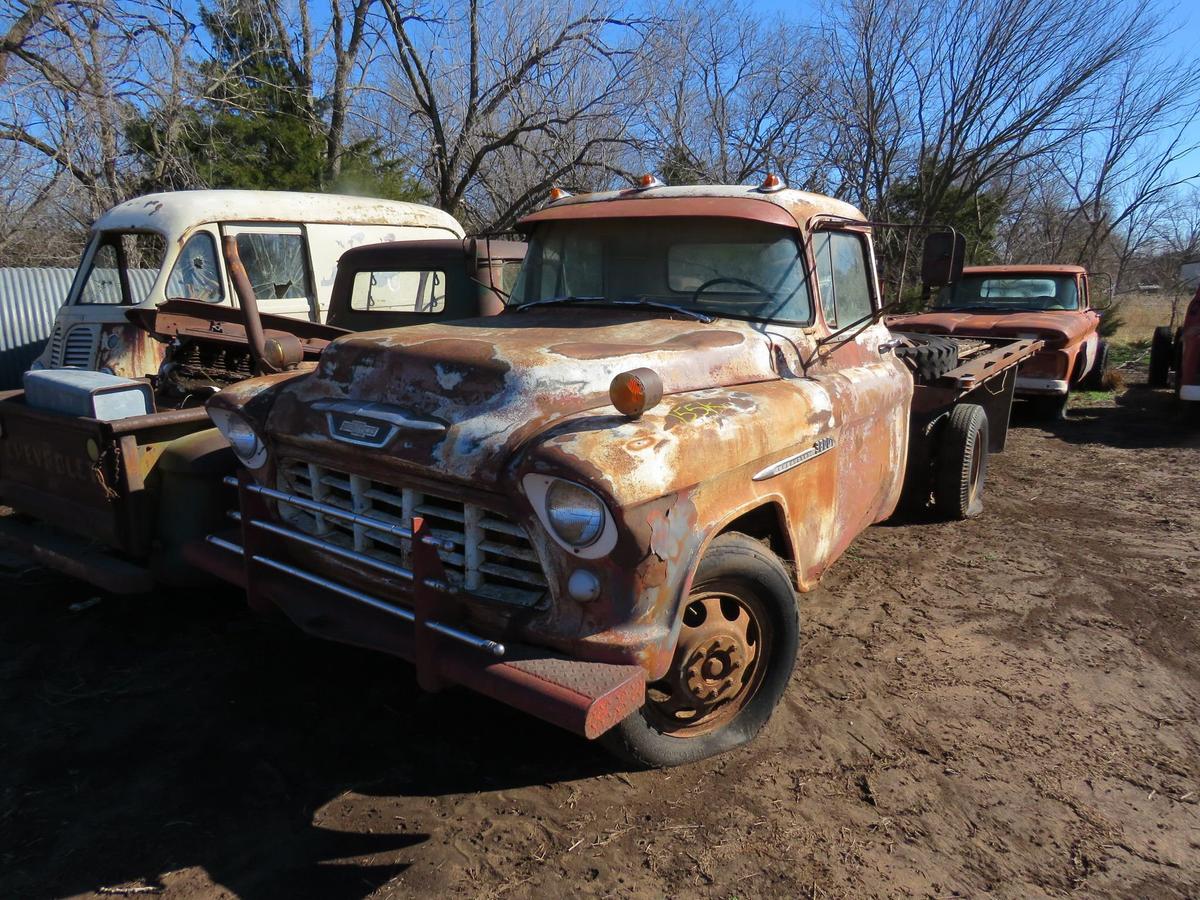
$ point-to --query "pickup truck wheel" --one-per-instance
(1094, 380)
(962, 463)
(736, 650)
(1162, 348)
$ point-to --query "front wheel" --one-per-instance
(1162, 348)
(736, 650)
(1094, 380)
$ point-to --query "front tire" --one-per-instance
(736, 651)
(1094, 380)
(1162, 348)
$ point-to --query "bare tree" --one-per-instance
(727, 95)
(537, 86)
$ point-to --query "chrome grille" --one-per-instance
(492, 556)
(79, 348)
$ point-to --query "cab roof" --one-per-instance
(174, 212)
(786, 207)
(1026, 269)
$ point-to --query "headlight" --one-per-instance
(574, 512)
(242, 438)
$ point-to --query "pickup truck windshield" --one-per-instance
(719, 267)
(1012, 292)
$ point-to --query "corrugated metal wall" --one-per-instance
(29, 298)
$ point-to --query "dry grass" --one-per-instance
(1141, 313)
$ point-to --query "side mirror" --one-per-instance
(942, 258)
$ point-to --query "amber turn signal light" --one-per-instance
(635, 391)
(557, 193)
(648, 181)
(772, 183)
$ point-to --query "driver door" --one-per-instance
(869, 389)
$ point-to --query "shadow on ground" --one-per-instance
(144, 735)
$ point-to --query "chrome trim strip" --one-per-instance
(824, 445)
(225, 545)
(379, 412)
(334, 549)
(336, 512)
(492, 647)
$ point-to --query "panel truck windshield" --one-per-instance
(703, 266)
(1002, 293)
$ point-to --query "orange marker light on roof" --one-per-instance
(772, 183)
(557, 193)
(635, 391)
(648, 181)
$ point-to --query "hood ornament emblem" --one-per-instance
(371, 424)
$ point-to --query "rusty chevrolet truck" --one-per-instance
(112, 494)
(1175, 356)
(1050, 303)
(598, 506)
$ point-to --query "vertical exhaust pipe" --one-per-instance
(249, 304)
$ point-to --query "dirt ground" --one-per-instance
(1007, 706)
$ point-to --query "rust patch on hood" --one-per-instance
(693, 341)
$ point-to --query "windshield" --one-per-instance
(720, 267)
(1010, 292)
(135, 255)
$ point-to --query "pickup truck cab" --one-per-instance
(1177, 352)
(113, 496)
(168, 247)
(597, 506)
(1050, 303)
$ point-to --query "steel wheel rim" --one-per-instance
(719, 663)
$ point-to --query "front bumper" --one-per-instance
(582, 696)
(1041, 386)
(73, 556)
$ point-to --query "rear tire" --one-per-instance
(742, 576)
(1162, 349)
(962, 463)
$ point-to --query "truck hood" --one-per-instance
(461, 397)
(1064, 325)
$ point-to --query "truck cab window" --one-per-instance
(196, 275)
(135, 255)
(275, 264)
(417, 291)
(843, 276)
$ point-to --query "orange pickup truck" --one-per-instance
(1050, 303)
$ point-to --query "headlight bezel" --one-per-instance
(247, 445)
(536, 488)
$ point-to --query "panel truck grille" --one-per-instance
(79, 348)
(492, 556)
(56, 346)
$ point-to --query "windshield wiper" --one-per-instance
(567, 298)
(628, 301)
(658, 304)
